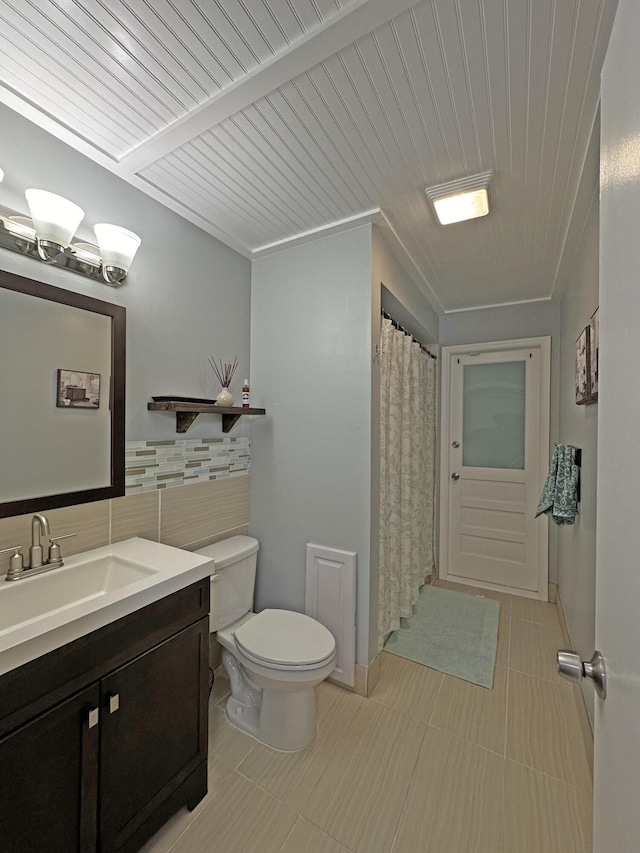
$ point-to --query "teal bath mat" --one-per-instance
(452, 632)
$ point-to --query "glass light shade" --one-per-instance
(456, 208)
(21, 226)
(117, 245)
(1, 176)
(54, 217)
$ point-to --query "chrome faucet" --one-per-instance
(37, 563)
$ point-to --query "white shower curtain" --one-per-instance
(407, 475)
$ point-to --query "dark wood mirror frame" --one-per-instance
(118, 315)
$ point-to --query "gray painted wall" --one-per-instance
(187, 295)
(510, 322)
(311, 454)
(404, 299)
(579, 426)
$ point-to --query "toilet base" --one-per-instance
(281, 719)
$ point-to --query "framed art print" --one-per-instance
(583, 390)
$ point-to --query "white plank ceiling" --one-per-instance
(260, 119)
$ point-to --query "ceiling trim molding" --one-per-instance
(499, 305)
(44, 120)
(588, 185)
(346, 224)
(349, 25)
(405, 257)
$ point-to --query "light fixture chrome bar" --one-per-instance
(16, 236)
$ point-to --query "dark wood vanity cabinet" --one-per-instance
(118, 744)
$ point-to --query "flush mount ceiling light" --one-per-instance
(456, 201)
(48, 232)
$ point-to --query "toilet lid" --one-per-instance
(285, 638)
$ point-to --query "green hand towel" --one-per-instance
(560, 494)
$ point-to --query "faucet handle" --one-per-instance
(15, 562)
(54, 549)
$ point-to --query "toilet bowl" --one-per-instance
(274, 658)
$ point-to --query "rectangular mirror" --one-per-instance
(62, 387)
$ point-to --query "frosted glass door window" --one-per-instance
(493, 415)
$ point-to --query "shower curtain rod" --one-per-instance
(400, 328)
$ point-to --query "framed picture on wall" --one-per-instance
(78, 390)
(594, 354)
(583, 390)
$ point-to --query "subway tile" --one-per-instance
(149, 463)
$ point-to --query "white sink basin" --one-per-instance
(45, 611)
(31, 598)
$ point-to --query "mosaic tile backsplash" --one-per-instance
(162, 464)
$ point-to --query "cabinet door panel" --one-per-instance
(154, 734)
(48, 772)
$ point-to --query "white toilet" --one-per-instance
(274, 658)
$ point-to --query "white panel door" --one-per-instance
(495, 468)
(617, 718)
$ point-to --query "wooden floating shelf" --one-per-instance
(186, 413)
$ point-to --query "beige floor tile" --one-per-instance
(359, 797)
(543, 815)
(407, 686)
(533, 650)
(221, 687)
(504, 632)
(473, 713)
(291, 777)
(532, 610)
(227, 743)
(165, 838)
(240, 818)
(543, 730)
(307, 838)
(454, 804)
(504, 598)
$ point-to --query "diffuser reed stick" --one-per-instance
(224, 371)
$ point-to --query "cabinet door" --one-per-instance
(48, 780)
(154, 732)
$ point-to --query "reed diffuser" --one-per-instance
(224, 374)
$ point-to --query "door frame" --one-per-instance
(447, 354)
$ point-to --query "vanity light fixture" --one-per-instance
(55, 220)
(47, 234)
(456, 201)
(118, 248)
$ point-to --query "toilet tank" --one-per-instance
(234, 580)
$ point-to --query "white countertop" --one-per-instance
(172, 569)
